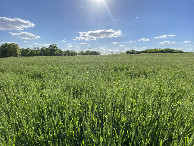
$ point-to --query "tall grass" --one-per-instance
(144, 99)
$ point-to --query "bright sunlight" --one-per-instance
(98, 1)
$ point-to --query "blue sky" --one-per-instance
(102, 25)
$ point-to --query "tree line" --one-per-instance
(13, 50)
(156, 50)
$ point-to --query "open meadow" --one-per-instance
(142, 99)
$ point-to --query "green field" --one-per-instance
(143, 99)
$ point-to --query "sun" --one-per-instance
(98, 1)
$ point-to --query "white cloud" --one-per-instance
(98, 34)
(110, 51)
(164, 36)
(63, 41)
(25, 35)
(186, 42)
(178, 48)
(70, 47)
(131, 41)
(42, 45)
(167, 42)
(144, 40)
(136, 17)
(14, 24)
(121, 45)
(115, 43)
(6, 42)
(84, 44)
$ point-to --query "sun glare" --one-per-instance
(100, 7)
(98, 1)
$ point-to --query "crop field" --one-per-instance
(143, 99)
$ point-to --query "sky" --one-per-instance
(108, 26)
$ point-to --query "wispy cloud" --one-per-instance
(71, 46)
(186, 42)
(6, 42)
(84, 44)
(14, 24)
(144, 40)
(131, 41)
(115, 43)
(42, 45)
(164, 36)
(98, 34)
(63, 41)
(121, 45)
(167, 42)
(25, 35)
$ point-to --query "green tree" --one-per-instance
(132, 52)
(81, 52)
(70, 53)
(156, 50)
(94, 53)
(25, 52)
(36, 51)
(59, 52)
(53, 50)
(89, 53)
(43, 51)
(9, 50)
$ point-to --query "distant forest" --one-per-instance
(156, 50)
(13, 50)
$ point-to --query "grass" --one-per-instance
(144, 99)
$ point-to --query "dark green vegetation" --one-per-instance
(13, 50)
(144, 99)
(156, 50)
(8, 50)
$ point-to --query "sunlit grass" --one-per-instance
(144, 99)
